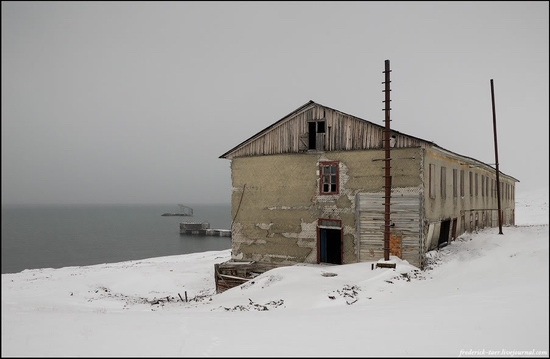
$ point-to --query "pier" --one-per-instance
(203, 229)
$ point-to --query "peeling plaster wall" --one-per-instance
(276, 201)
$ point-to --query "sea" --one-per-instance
(57, 236)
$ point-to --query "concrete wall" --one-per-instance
(473, 209)
(276, 202)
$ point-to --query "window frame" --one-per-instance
(315, 127)
(331, 183)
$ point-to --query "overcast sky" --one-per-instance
(134, 102)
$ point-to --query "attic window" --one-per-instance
(315, 128)
(321, 127)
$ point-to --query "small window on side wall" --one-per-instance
(431, 181)
(328, 181)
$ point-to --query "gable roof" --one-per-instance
(310, 104)
(302, 108)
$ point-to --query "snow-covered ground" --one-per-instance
(484, 295)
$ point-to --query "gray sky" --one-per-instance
(133, 102)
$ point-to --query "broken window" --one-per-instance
(329, 177)
(316, 135)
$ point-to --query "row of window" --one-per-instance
(487, 184)
(328, 183)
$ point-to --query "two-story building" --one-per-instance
(310, 189)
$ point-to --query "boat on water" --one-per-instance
(184, 211)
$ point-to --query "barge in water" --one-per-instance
(184, 211)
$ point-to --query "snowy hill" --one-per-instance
(484, 294)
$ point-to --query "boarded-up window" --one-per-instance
(443, 182)
(432, 181)
(461, 183)
(482, 186)
(471, 183)
(455, 185)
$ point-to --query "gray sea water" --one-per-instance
(56, 236)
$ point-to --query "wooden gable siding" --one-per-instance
(343, 132)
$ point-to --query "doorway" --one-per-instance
(453, 230)
(330, 246)
(444, 233)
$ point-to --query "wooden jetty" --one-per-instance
(203, 229)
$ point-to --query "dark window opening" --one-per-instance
(312, 135)
(315, 128)
(321, 127)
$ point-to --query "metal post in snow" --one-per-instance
(496, 158)
(387, 173)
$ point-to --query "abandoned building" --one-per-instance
(309, 189)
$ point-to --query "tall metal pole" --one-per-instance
(387, 176)
(496, 158)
